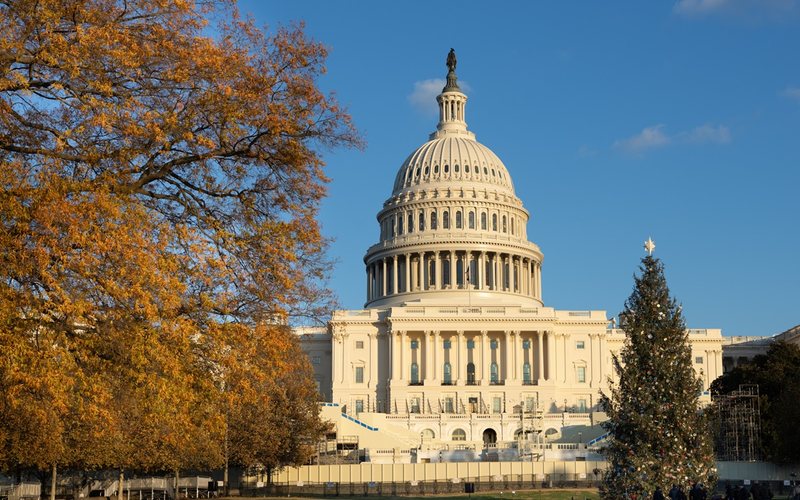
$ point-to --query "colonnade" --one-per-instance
(453, 269)
(507, 352)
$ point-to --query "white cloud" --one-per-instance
(648, 138)
(765, 9)
(654, 137)
(792, 93)
(423, 98)
(719, 134)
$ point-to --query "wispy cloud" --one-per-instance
(770, 9)
(648, 138)
(423, 97)
(656, 136)
(792, 93)
(719, 134)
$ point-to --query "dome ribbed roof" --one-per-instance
(453, 162)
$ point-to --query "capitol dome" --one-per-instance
(453, 223)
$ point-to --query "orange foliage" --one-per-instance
(159, 194)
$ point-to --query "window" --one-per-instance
(494, 222)
(458, 219)
(448, 405)
(436, 169)
(493, 344)
(414, 405)
(446, 168)
(526, 373)
(495, 375)
(698, 360)
(427, 170)
(316, 360)
(505, 226)
(472, 220)
(526, 344)
(483, 221)
(421, 219)
(359, 405)
(455, 169)
(512, 225)
(428, 434)
(434, 221)
(447, 374)
(410, 223)
(459, 435)
(414, 373)
(415, 344)
(581, 373)
(470, 373)
(446, 344)
(359, 344)
(466, 168)
(582, 406)
(359, 374)
(530, 404)
(580, 344)
(446, 220)
(470, 344)
(400, 225)
(497, 404)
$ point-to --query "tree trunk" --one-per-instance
(121, 485)
(53, 483)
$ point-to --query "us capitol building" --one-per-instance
(455, 348)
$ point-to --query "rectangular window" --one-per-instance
(470, 344)
(359, 374)
(529, 404)
(447, 344)
(699, 360)
(359, 405)
(580, 344)
(414, 405)
(496, 405)
(359, 344)
(316, 360)
(448, 405)
(581, 372)
(582, 406)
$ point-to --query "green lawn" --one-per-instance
(575, 494)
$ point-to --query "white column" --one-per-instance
(421, 271)
(373, 361)
(482, 271)
(551, 356)
(520, 355)
(403, 355)
(428, 373)
(484, 357)
(384, 281)
(540, 357)
(509, 367)
(369, 294)
(461, 358)
(395, 286)
(512, 266)
(392, 357)
(452, 269)
(407, 273)
(438, 357)
(438, 277)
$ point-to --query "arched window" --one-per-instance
(470, 373)
(446, 272)
(526, 373)
(446, 219)
(410, 222)
(494, 222)
(458, 219)
(494, 373)
(400, 224)
(447, 374)
(512, 225)
(466, 169)
(414, 373)
(434, 221)
(459, 435)
(428, 434)
(483, 221)
(472, 220)
(421, 219)
(432, 272)
(436, 169)
(505, 225)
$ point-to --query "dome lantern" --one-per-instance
(452, 105)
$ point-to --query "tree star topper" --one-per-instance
(649, 245)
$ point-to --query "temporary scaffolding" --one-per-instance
(739, 437)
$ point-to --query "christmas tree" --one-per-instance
(657, 434)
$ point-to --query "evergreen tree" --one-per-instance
(657, 434)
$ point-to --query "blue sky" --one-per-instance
(617, 121)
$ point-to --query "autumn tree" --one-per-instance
(157, 183)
